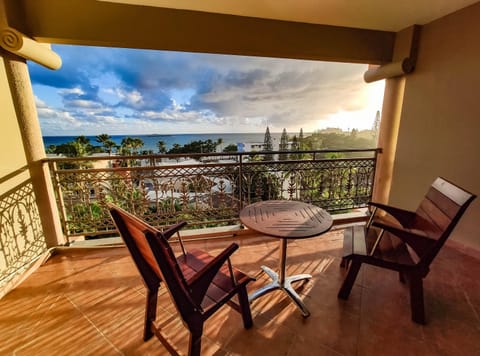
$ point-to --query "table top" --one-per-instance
(287, 219)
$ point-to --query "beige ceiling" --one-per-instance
(386, 15)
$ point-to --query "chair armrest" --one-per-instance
(200, 282)
(404, 217)
(418, 240)
(171, 230)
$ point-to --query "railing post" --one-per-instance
(60, 202)
(240, 180)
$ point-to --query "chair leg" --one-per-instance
(195, 342)
(345, 262)
(416, 299)
(245, 307)
(349, 279)
(150, 313)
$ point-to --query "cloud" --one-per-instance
(140, 91)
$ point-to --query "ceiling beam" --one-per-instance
(90, 22)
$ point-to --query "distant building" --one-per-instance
(250, 146)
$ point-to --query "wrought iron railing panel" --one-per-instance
(206, 190)
(21, 233)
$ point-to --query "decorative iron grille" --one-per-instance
(21, 233)
(205, 189)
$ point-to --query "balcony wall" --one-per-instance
(439, 128)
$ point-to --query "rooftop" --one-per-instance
(91, 301)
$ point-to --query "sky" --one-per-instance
(124, 92)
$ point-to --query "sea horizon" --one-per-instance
(150, 140)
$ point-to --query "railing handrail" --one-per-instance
(195, 155)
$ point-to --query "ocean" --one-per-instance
(150, 141)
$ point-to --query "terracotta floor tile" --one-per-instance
(91, 302)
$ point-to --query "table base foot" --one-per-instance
(286, 286)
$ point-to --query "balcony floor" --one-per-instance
(91, 302)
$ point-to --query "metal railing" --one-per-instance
(21, 235)
(205, 189)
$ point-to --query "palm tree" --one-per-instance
(102, 138)
(106, 141)
(109, 145)
(81, 146)
(126, 145)
(51, 149)
(136, 144)
(83, 139)
(162, 147)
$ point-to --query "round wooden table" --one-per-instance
(285, 219)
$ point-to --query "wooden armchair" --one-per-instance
(408, 241)
(198, 283)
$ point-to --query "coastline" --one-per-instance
(151, 140)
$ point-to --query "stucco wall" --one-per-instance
(12, 155)
(440, 121)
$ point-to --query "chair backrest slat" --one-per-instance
(154, 257)
(439, 213)
(453, 192)
(132, 234)
(436, 218)
(443, 202)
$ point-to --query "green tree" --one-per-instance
(51, 149)
(294, 148)
(283, 145)
(231, 148)
(301, 144)
(267, 141)
(81, 147)
(267, 145)
(199, 146)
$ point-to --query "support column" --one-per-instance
(387, 139)
(22, 95)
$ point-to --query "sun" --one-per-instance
(363, 118)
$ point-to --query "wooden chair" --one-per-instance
(198, 283)
(408, 241)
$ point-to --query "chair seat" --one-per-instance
(222, 284)
(359, 241)
(391, 249)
